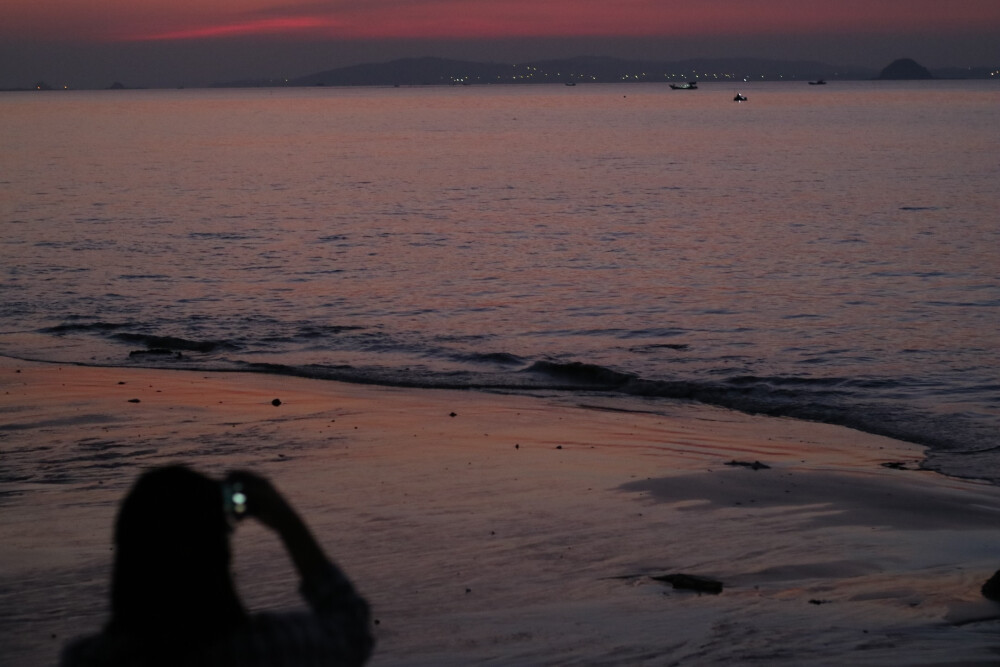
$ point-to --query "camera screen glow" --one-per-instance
(239, 502)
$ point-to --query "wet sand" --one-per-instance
(512, 529)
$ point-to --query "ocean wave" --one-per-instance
(174, 343)
(892, 407)
(582, 374)
(494, 358)
(848, 402)
(84, 327)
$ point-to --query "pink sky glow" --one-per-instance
(196, 42)
(126, 20)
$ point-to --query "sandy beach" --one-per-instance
(514, 530)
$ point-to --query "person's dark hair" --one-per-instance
(171, 580)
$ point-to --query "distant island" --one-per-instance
(430, 71)
(592, 69)
(905, 69)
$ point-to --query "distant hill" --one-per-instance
(410, 72)
(442, 71)
(905, 68)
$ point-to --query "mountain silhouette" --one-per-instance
(905, 68)
(442, 71)
(432, 71)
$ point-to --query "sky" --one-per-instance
(92, 43)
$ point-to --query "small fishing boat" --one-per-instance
(740, 98)
(818, 82)
(690, 85)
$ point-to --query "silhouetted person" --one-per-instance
(172, 595)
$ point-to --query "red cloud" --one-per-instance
(117, 20)
(272, 26)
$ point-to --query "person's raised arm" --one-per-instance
(264, 503)
(330, 594)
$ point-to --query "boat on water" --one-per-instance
(818, 82)
(740, 97)
(690, 85)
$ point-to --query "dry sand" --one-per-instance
(514, 530)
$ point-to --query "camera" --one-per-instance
(234, 500)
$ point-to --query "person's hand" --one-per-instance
(269, 507)
(262, 500)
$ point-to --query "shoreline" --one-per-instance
(510, 528)
(569, 382)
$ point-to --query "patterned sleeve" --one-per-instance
(336, 632)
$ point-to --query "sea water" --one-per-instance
(829, 253)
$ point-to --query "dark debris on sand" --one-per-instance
(991, 589)
(691, 582)
(755, 465)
